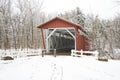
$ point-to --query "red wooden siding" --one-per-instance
(81, 41)
(57, 23)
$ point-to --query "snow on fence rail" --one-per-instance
(19, 52)
(74, 53)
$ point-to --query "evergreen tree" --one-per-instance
(80, 17)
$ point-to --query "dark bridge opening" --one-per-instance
(62, 40)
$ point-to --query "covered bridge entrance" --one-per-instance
(62, 35)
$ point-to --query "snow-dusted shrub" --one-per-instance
(7, 58)
(102, 56)
(116, 54)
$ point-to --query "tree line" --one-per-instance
(18, 21)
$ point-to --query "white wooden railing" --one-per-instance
(74, 53)
(15, 53)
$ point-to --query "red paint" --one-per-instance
(43, 41)
(81, 41)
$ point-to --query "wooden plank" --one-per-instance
(70, 33)
(51, 34)
(47, 41)
(43, 41)
(73, 52)
(54, 52)
(63, 28)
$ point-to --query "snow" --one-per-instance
(59, 68)
(117, 51)
(16, 53)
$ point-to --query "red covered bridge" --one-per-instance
(62, 34)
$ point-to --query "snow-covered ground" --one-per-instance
(59, 68)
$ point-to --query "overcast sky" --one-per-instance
(104, 8)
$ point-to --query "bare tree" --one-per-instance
(18, 28)
(5, 14)
(28, 19)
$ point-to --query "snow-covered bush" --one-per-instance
(102, 56)
(7, 58)
(116, 54)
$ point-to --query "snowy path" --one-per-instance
(59, 68)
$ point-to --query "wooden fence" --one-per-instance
(15, 53)
(75, 53)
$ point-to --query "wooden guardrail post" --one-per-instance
(54, 52)
(96, 54)
(81, 51)
(43, 53)
(72, 52)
